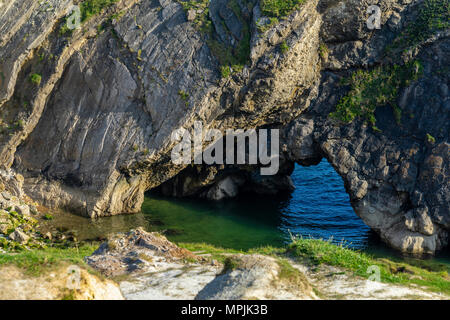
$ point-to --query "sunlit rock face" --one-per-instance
(94, 133)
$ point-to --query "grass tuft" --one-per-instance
(37, 261)
(36, 79)
(284, 47)
(325, 252)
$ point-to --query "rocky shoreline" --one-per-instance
(143, 265)
(20, 233)
(148, 266)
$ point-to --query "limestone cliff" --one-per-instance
(87, 115)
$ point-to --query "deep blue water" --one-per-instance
(320, 208)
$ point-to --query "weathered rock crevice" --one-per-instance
(95, 133)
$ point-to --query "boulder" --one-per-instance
(23, 210)
(65, 283)
(19, 236)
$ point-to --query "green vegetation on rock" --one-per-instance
(380, 86)
(279, 8)
(289, 273)
(430, 138)
(284, 47)
(230, 264)
(234, 58)
(370, 89)
(202, 21)
(323, 51)
(433, 15)
(38, 260)
(275, 10)
(36, 78)
(90, 8)
(184, 96)
(23, 226)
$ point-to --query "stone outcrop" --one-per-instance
(18, 224)
(92, 133)
(151, 267)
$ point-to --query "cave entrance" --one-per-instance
(319, 207)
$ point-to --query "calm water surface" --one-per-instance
(318, 208)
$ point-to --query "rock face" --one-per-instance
(92, 133)
(96, 149)
(397, 179)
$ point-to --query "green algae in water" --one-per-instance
(228, 224)
(93, 229)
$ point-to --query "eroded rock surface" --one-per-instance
(93, 134)
(68, 282)
(151, 267)
(335, 284)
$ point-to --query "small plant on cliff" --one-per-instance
(64, 29)
(91, 8)
(19, 124)
(184, 96)
(371, 89)
(225, 71)
(230, 264)
(284, 47)
(36, 78)
(323, 51)
(431, 139)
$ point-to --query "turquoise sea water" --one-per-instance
(318, 208)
